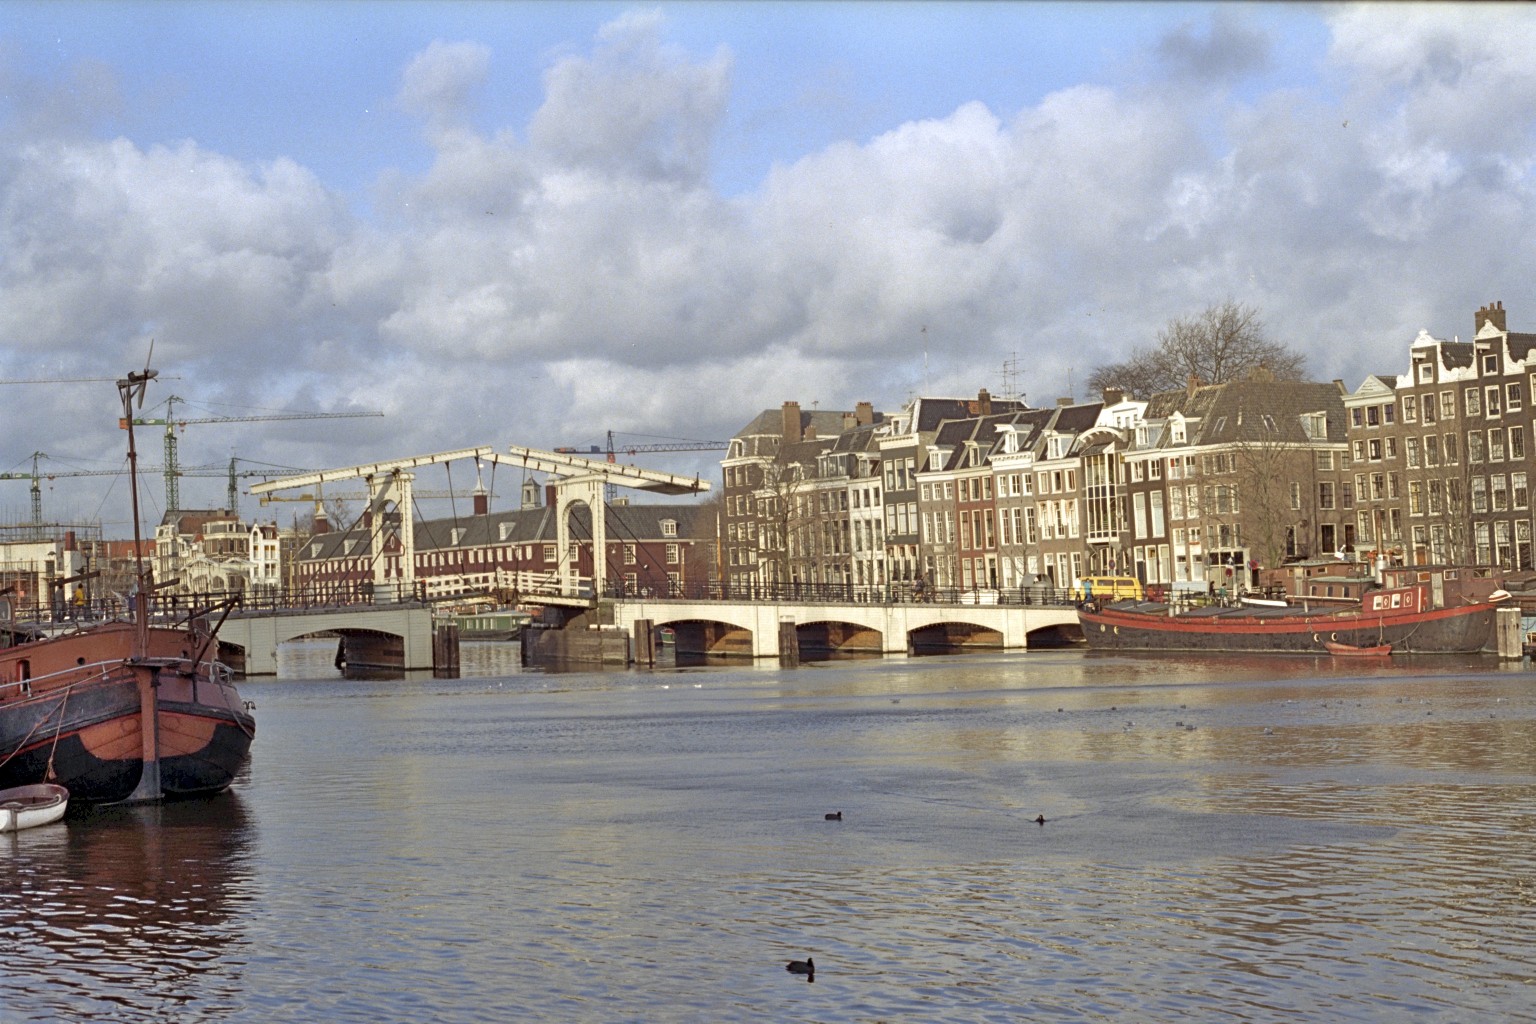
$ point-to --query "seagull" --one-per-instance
(806, 966)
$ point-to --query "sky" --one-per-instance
(535, 223)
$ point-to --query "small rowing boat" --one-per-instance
(1347, 650)
(30, 806)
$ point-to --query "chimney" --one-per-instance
(792, 434)
(1493, 313)
(1064, 402)
(550, 501)
(983, 403)
(1191, 386)
(850, 421)
(482, 501)
(69, 540)
(1113, 396)
(322, 521)
(864, 413)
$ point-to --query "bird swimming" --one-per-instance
(806, 966)
(1040, 820)
(834, 816)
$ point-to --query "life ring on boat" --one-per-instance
(1101, 627)
(1117, 631)
(1333, 636)
(1315, 638)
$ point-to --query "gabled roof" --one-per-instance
(1236, 411)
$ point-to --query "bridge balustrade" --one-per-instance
(837, 593)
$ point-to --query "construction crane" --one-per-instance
(37, 489)
(170, 422)
(671, 444)
(37, 476)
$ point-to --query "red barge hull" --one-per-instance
(73, 708)
(1150, 628)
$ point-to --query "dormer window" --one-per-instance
(669, 527)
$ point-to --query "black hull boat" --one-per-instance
(1453, 614)
(124, 710)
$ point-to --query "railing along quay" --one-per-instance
(835, 593)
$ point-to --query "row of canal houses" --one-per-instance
(1195, 488)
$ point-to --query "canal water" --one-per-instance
(1273, 839)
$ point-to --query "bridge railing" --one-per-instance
(837, 593)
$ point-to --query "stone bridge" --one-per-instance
(384, 635)
(754, 628)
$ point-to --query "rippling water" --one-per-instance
(1256, 840)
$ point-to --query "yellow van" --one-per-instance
(1110, 588)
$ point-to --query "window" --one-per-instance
(1518, 490)
(1495, 445)
(1295, 496)
(1516, 443)
(1490, 362)
(1474, 403)
(1426, 372)
(1474, 447)
(1325, 498)
(1412, 444)
(1356, 417)
(674, 554)
(1514, 399)
(549, 552)
(1447, 405)
(1325, 461)
(1491, 400)
(629, 554)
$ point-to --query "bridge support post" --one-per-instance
(645, 642)
(445, 651)
(789, 644)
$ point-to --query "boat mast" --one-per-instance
(131, 391)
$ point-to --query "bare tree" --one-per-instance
(1224, 342)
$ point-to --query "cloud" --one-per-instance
(543, 283)
(439, 84)
(636, 107)
(1228, 49)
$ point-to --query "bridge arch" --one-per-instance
(952, 635)
(392, 636)
(838, 635)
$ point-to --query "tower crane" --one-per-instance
(37, 489)
(37, 476)
(670, 444)
(171, 422)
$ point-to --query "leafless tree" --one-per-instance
(1224, 342)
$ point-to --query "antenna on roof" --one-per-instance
(1011, 378)
(926, 388)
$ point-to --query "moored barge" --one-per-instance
(1415, 610)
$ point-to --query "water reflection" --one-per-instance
(1243, 839)
(123, 912)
